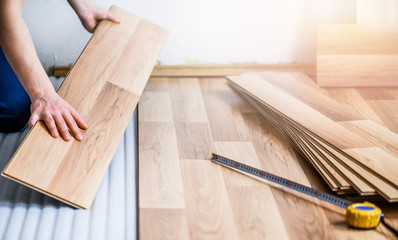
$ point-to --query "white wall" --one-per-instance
(201, 31)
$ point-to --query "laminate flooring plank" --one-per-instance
(187, 100)
(208, 207)
(356, 55)
(157, 84)
(274, 151)
(308, 154)
(375, 93)
(387, 111)
(306, 218)
(351, 97)
(194, 140)
(160, 180)
(79, 185)
(323, 154)
(379, 157)
(251, 200)
(91, 87)
(157, 107)
(93, 76)
(226, 122)
(257, 213)
(301, 113)
(335, 159)
(320, 157)
(380, 135)
(304, 89)
(163, 224)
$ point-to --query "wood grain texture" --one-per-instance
(160, 163)
(104, 86)
(216, 202)
(357, 55)
(302, 116)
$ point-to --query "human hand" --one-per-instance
(90, 14)
(58, 115)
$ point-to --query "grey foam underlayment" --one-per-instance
(27, 214)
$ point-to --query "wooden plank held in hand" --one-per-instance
(104, 86)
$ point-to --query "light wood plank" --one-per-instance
(163, 224)
(194, 140)
(357, 70)
(387, 111)
(104, 85)
(357, 55)
(226, 121)
(351, 97)
(257, 212)
(161, 185)
(354, 39)
(208, 207)
(155, 107)
(187, 101)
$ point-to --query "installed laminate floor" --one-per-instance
(183, 195)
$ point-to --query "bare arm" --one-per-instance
(19, 50)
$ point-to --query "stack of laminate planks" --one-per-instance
(353, 154)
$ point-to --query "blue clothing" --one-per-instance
(14, 101)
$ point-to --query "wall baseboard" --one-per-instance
(212, 70)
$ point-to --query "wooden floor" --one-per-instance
(183, 195)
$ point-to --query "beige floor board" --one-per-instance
(381, 136)
(387, 111)
(94, 153)
(351, 97)
(187, 100)
(304, 150)
(352, 55)
(157, 107)
(256, 209)
(157, 84)
(170, 224)
(194, 140)
(161, 185)
(226, 122)
(209, 211)
(274, 152)
(104, 86)
(301, 113)
(304, 89)
(376, 93)
(243, 152)
(306, 220)
(324, 162)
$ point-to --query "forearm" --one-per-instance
(18, 47)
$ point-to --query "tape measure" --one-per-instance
(359, 215)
